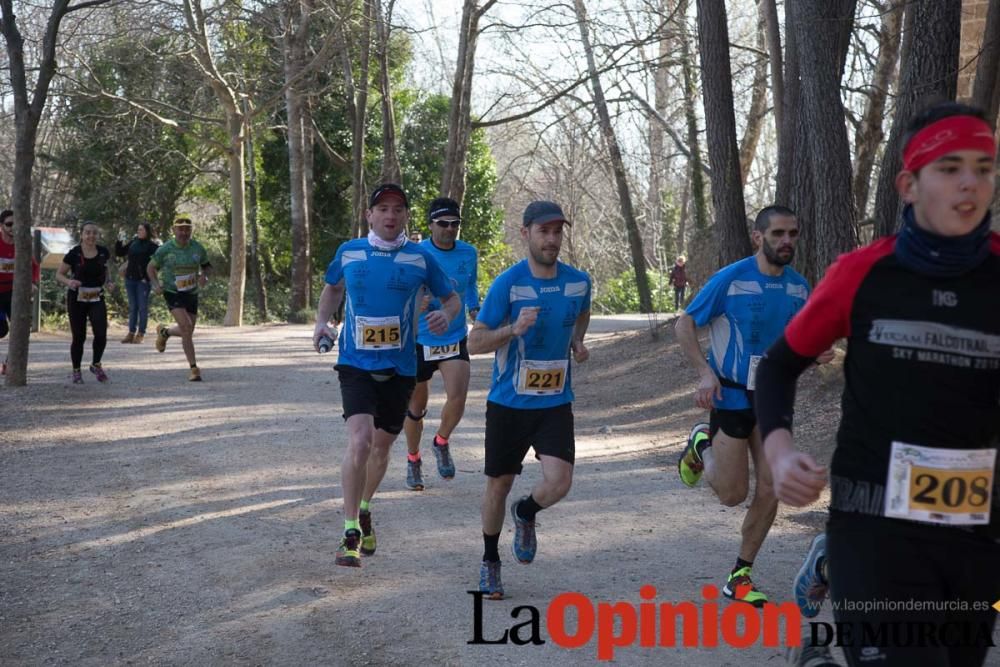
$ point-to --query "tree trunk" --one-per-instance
(986, 87)
(357, 108)
(823, 29)
(617, 164)
(770, 10)
(238, 222)
(296, 32)
(27, 115)
(720, 123)
(758, 100)
(789, 131)
(869, 134)
(254, 272)
(459, 111)
(699, 202)
(391, 170)
(930, 68)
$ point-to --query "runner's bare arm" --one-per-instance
(708, 385)
(580, 351)
(482, 339)
(62, 276)
(438, 320)
(154, 280)
(329, 302)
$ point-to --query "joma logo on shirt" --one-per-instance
(774, 286)
(546, 290)
(381, 254)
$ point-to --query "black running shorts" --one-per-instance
(920, 583)
(511, 431)
(737, 424)
(425, 369)
(186, 300)
(381, 394)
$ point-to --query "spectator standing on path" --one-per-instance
(678, 278)
(137, 251)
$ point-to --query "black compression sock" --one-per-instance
(528, 508)
(491, 545)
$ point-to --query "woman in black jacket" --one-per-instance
(138, 250)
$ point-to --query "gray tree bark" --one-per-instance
(758, 100)
(391, 170)
(930, 68)
(617, 164)
(869, 134)
(27, 114)
(986, 87)
(295, 27)
(720, 122)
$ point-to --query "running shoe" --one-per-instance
(348, 554)
(414, 478)
(162, 334)
(810, 587)
(524, 545)
(195, 375)
(77, 377)
(99, 372)
(367, 534)
(489, 580)
(740, 587)
(810, 656)
(690, 466)
(446, 467)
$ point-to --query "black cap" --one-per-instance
(388, 188)
(540, 212)
(441, 207)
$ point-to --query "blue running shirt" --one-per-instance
(380, 313)
(533, 371)
(460, 264)
(747, 311)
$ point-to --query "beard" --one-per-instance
(538, 254)
(776, 259)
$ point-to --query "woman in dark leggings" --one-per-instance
(84, 270)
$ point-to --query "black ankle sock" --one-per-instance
(194, 365)
(491, 544)
(702, 446)
(740, 563)
(528, 508)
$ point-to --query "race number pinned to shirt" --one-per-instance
(377, 333)
(752, 373)
(441, 352)
(186, 282)
(542, 378)
(944, 486)
(6, 265)
(88, 294)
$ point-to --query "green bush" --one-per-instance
(619, 295)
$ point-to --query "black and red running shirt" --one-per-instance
(922, 365)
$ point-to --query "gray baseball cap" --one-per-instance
(540, 212)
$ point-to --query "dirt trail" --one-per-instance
(157, 521)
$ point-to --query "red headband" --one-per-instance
(954, 133)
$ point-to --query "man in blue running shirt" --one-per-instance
(382, 276)
(746, 306)
(447, 352)
(535, 314)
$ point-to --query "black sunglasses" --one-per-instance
(448, 223)
(9, 224)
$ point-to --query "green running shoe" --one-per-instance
(347, 553)
(367, 534)
(740, 587)
(690, 466)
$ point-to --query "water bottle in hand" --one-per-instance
(325, 344)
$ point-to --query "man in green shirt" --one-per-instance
(177, 270)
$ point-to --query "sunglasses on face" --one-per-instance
(9, 224)
(454, 224)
